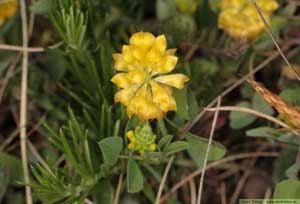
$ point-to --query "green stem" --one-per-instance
(162, 127)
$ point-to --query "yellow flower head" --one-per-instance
(142, 139)
(187, 6)
(240, 19)
(7, 9)
(146, 92)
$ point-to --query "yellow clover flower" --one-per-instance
(240, 19)
(7, 9)
(142, 139)
(146, 92)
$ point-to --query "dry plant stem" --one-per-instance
(268, 193)
(239, 187)
(87, 201)
(28, 49)
(9, 74)
(164, 178)
(120, 183)
(215, 164)
(207, 152)
(191, 52)
(223, 193)
(274, 40)
(251, 111)
(23, 105)
(193, 191)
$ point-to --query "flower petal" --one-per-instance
(124, 80)
(175, 80)
(127, 54)
(142, 39)
(160, 44)
(166, 64)
(125, 95)
(171, 51)
(120, 63)
(162, 97)
(143, 107)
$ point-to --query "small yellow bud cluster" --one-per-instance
(142, 139)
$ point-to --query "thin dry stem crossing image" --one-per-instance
(149, 102)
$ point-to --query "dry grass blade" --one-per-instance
(207, 152)
(162, 183)
(274, 40)
(284, 109)
(254, 112)
(28, 49)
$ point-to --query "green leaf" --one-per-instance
(293, 171)
(231, 64)
(198, 147)
(111, 148)
(239, 120)
(288, 189)
(4, 179)
(187, 106)
(176, 147)
(261, 132)
(261, 105)
(104, 189)
(289, 138)
(164, 142)
(282, 163)
(292, 96)
(135, 178)
(14, 166)
(288, 10)
(182, 103)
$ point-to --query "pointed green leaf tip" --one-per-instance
(111, 148)
(198, 147)
(176, 147)
(135, 179)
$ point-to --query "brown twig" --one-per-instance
(120, 183)
(215, 164)
(223, 193)
(239, 187)
(28, 49)
(23, 105)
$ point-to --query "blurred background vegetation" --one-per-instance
(74, 128)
